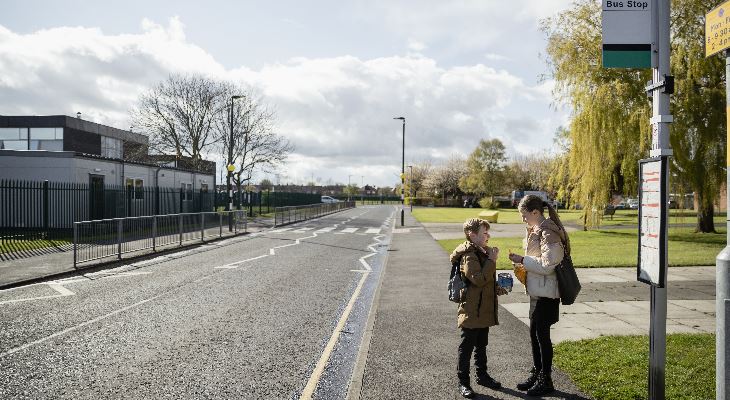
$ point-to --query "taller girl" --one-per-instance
(545, 245)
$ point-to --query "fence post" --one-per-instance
(202, 227)
(45, 208)
(181, 228)
(154, 233)
(119, 238)
(245, 222)
(220, 224)
(76, 240)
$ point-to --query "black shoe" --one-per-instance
(466, 391)
(488, 381)
(530, 381)
(543, 385)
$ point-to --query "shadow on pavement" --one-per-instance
(20, 250)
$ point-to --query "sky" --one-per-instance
(335, 72)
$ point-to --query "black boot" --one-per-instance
(485, 380)
(527, 383)
(465, 390)
(543, 385)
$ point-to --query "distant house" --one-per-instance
(60, 148)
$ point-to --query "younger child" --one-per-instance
(479, 310)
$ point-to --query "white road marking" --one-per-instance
(349, 230)
(73, 328)
(327, 229)
(237, 264)
(373, 230)
(62, 292)
(281, 230)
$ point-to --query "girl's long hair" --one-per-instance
(531, 202)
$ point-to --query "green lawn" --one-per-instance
(619, 248)
(616, 367)
(512, 216)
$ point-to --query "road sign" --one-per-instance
(627, 33)
(717, 29)
(652, 211)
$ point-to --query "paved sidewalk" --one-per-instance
(410, 351)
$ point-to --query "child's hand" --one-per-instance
(515, 258)
(493, 253)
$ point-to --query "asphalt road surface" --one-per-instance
(278, 314)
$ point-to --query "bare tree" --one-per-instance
(444, 180)
(255, 145)
(178, 114)
(420, 173)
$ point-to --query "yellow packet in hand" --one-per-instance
(520, 273)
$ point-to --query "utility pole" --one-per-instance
(402, 174)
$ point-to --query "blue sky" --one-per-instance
(335, 71)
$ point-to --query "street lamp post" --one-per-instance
(410, 187)
(230, 167)
(348, 187)
(362, 189)
(402, 173)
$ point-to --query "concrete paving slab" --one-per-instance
(577, 308)
(679, 328)
(616, 307)
(595, 276)
(705, 306)
(560, 334)
(641, 322)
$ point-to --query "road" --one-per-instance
(278, 314)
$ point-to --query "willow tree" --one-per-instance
(609, 129)
(698, 132)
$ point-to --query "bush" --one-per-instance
(419, 201)
(487, 202)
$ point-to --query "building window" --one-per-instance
(46, 139)
(110, 147)
(13, 138)
(135, 188)
(187, 191)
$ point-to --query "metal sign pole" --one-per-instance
(661, 118)
(717, 39)
(722, 283)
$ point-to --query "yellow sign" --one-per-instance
(231, 167)
(717, 29)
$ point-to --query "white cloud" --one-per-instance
(337, 111)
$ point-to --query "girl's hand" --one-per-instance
(515, 258)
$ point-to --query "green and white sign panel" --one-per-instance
(627, 33)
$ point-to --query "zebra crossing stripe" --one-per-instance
(349, 230)
(373, 230)
(328, 229)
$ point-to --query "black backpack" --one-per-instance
(456, 284)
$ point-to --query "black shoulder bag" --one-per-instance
(568, 283)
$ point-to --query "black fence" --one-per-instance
(265, 202)
(32, 210)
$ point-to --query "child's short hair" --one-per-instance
(473, 224)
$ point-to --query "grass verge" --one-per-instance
(616, 367)
(619, 248)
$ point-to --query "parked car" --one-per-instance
(622, 205)
(328, 199)
(633, 203)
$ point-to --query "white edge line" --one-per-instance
(311, 386)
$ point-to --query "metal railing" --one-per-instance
(99, 239)
(288, 215)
